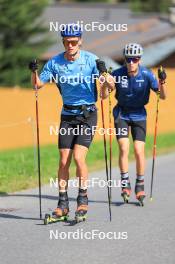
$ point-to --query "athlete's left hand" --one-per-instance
(162, 74)
(107, 79)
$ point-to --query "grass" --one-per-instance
(18, 168)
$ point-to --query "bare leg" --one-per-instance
(139, 150)
(123, 164)
(79, 154)
(123, 154)
(63, 171)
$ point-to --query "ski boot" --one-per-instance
(61, 212)
(139, 191)
(82, 206)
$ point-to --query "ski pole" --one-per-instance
(38, 143)
(110, 139)
(155, 141)
(106, 159)
(154, 146)
(104, 137)
(162, 76)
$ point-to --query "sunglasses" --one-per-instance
(72, 42)
(134, 60)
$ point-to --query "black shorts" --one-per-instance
(138, 129)
(76, 130)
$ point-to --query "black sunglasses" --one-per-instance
(134, 60)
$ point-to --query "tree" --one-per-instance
(150, 5)
(22, 37)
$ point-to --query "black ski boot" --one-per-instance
(61, 212)
(139, 190)
(82, 206)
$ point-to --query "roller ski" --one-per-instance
(60, 214)
(82, 206)
(140, 198)
(126, 195)
(53, 219)
(126, 191)
(139, 190)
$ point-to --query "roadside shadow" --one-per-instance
(53, 197)
(125, 204)
(10, 216)
(71, 199)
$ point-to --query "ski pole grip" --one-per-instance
(101, 66)
(161, 75)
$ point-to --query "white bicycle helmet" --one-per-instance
(133, 50)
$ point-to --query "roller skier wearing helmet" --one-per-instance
(132, 94)
(79, 95)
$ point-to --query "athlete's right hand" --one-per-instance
(101, 66)
(33, 65)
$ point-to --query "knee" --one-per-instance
(139, 152)
(64, 164)
(124, 150)
(79, 160)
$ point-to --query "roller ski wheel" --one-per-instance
(140, 197)
(46, 219)
(126, 195)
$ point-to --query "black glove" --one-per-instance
(161, 74)
(33, 65)
(101, 66)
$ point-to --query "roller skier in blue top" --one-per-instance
(74, 72)
(132, 83)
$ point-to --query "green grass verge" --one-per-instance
(18, 168)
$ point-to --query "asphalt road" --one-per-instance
(135, 235)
